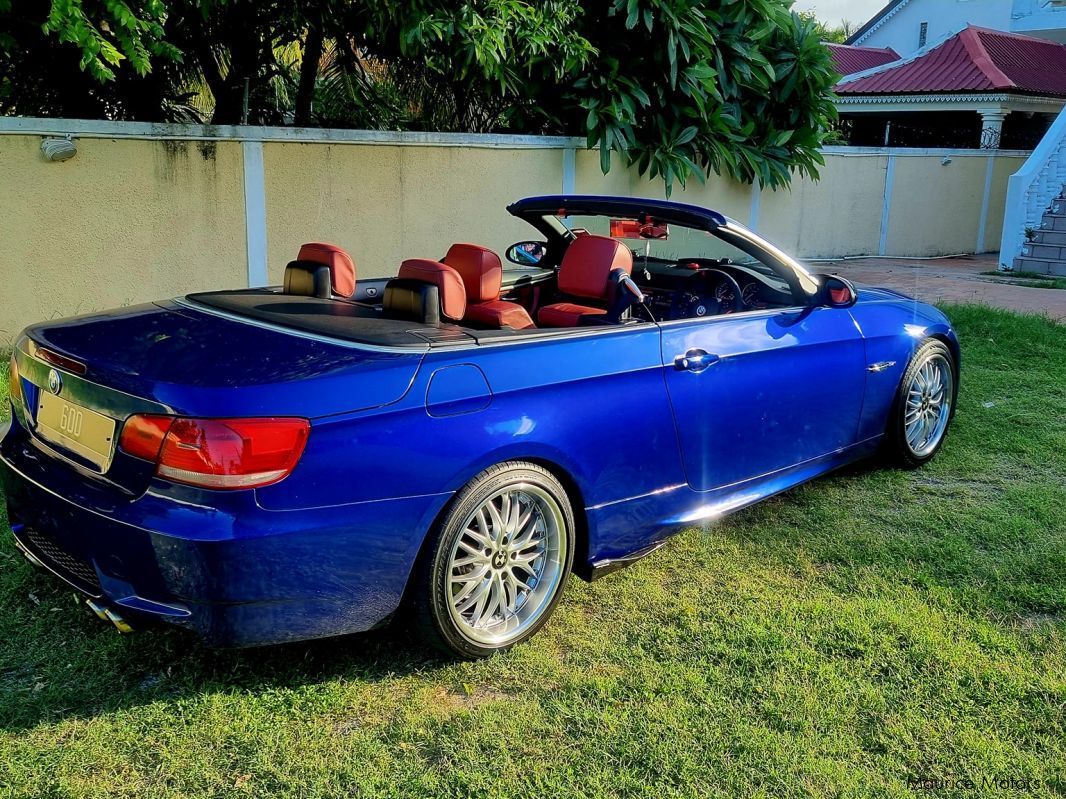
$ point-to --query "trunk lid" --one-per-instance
(197, 363)
(168, 359)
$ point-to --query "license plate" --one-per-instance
(86, 433)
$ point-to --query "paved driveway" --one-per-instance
(950, 280)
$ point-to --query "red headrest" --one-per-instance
(587, 264)
(447, 281)
(480, 269)
(341, 266)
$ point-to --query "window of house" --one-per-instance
(923, 31)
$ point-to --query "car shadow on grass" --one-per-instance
(59, 661)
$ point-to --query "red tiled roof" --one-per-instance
(973, 60)
(849, 59)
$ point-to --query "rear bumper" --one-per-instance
(236, 574)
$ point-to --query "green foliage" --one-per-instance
(109, 32)
(686, 88)
(836, 34)
(477, 66)
(678, 88)
(502, 42)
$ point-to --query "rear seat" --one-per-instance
(320, 270)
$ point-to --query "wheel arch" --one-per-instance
(577, 504)
(952, 344)
(573, 494)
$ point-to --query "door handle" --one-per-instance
(695, 361)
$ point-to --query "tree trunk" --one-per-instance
(305, 92)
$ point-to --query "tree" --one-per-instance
(687, 88)
(678, 88)
(834, 34)
(87, 58)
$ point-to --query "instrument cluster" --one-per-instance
(700, 295)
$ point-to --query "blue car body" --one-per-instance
(644, 449)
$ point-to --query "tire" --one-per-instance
(926, 394)
(492, 573)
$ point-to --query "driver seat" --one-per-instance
(586, 273)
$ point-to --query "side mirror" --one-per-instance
(527, 253)
(836, 292)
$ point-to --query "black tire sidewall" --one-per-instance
(897, 438)
(430, 600)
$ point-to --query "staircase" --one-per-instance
(1035, 199)
(1045, 252)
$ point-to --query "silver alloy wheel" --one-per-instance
(506, 564)
(928, 411)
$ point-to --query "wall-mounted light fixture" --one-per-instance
(59, 149)
(945, 160)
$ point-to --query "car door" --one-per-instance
(757, 392)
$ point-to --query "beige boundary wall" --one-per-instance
(151, 211)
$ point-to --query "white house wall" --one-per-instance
(900, 28)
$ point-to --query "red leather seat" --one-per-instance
(449, 284)
(482, 274)
(586, 272)
(341, 269)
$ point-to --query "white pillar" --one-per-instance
(992, 127)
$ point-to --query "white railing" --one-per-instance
(1031, 189)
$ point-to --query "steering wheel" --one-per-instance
(728, 279)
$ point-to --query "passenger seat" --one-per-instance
(482, 274)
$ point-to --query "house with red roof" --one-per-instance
(909, 25)
(978, 87)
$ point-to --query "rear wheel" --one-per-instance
(498, 562)
(925, 404)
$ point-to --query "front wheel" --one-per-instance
(925, 404)
(497, 564)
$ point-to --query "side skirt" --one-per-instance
(605, 566)
(656, 518)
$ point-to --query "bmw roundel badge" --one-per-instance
(55, 382)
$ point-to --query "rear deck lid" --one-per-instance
(198, 363)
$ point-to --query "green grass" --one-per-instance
(870, 626)
(1032, 280)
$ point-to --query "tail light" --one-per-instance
(14, 385)
(217, 453)
(62, 361)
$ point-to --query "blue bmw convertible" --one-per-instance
(308, 460)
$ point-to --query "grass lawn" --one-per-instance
(1032, 280)
(871, 626)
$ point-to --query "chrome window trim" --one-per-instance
(233, 317)
(755, 312)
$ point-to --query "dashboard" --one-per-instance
(697, 287)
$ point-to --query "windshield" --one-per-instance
(680, 247)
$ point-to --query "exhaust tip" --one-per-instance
(120, 623)
(107, 614)
(28, 555)
(98, 609)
